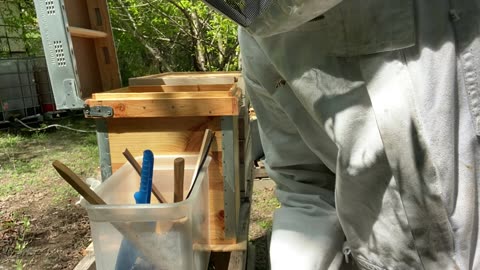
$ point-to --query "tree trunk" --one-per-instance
(132, 26)
(199, 51)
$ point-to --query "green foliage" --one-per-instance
(21, 22)
(171, 35)
(18, 264)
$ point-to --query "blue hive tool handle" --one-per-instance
(145, 193)
(127, 255)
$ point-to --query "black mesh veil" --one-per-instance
(242, 12)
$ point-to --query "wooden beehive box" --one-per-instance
(168, 113)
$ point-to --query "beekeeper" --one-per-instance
(369, 112)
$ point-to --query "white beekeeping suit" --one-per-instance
(369, 116)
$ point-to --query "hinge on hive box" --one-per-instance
(98, 111)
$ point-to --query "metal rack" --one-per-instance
(11, 40)
(25, 88)
(18, 91)
(44, 86)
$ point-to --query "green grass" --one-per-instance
(26, 157)
(63, 193)
(22, 243)
(10, 141)
(265, 224)
(20, 225)
(19, 264)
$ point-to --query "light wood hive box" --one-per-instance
(168, 113)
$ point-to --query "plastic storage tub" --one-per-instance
(167, 231)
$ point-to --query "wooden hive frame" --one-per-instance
(168, 114)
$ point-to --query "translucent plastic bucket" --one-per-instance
(170, 229)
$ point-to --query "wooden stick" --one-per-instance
(77, 183)
(132, 161)
(179, 172)
(91, 197)
(204, 149)
(156, 192)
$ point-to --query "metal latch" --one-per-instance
(98, 111)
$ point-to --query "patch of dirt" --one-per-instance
(58, 235)
(40, 225)
(53, 237)
(264, 204)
